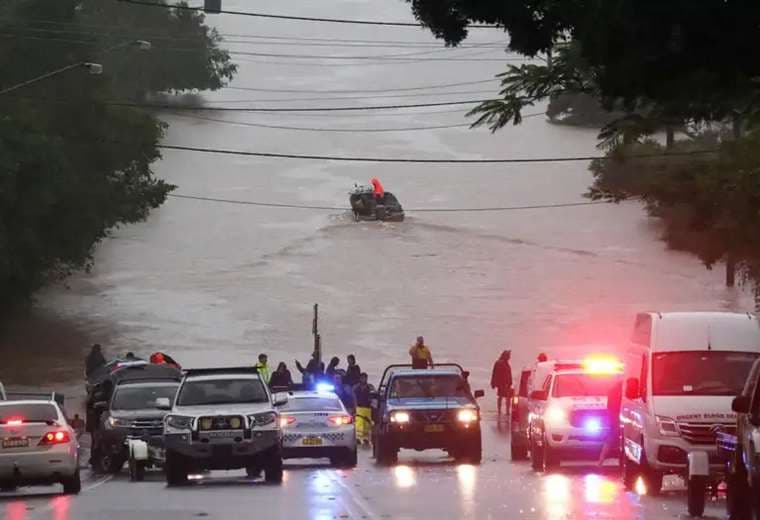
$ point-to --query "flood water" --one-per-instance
(215, 283)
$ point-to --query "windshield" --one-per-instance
(313, 404)
(38, 412)
(428, 386)
(142, 397)
(700, 373)
(222, 391)
(580, 385)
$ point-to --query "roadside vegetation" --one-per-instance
(671, 79)
(72, 166)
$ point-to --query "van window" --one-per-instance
(524, 378)
(700, 372)
(642, 330)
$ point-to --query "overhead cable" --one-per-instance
(296, 18)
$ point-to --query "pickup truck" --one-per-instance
(739, 450)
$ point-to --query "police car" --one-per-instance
(315, 424)
(37, 446)
(568, 418)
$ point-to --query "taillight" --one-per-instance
(14, 422)
(50, 438)
(286, 420)
(340, 420)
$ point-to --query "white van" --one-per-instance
(682, 371)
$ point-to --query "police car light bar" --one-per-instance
(600, 365)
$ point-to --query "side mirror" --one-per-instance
(632, 390)
(466, 374)
(280, 399)
(479, 393)
(539, 395)
(100, 405)
(740, 404)
(163, 403)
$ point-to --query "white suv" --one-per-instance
(568, 418)
(223, 418)
(37, 446)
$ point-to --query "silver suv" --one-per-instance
(223, 418)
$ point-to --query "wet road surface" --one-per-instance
(423, 485)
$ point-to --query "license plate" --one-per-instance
(312, 441)
(222, 434)
(15, 442)
(434, 428)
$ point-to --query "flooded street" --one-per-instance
(217, 283)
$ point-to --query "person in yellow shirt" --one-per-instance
(420, 353)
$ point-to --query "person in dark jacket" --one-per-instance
(314, 371)
(344, 392)
(501, 381)
(94, 360)
(332, 368)
(281, 377)
(614, 403)
(353, 372)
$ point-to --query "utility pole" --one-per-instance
(315, 333)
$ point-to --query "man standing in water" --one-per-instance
(420, 353)
(501, 381)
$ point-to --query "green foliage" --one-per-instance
(709, 204)
(73, 168)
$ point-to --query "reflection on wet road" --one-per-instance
(423, 485)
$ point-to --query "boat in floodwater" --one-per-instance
(374, 203)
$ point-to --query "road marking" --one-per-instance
(97, 483)
(358, 500)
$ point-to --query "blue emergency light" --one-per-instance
(592, 426)
(324, 388)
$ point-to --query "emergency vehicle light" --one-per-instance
(15, 422)
(324, 388)
(603, 366)
(592, 426)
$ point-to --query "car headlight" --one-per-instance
(179, 422)
(262, 419)
(467, 415)
(555, 416)
(400, 417)
(115, 422)
(667, 426)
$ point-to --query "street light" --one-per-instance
(95, 69)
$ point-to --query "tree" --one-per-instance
(71, 166)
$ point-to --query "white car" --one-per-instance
(37, 446)
(316, 425)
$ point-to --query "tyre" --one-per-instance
(273, 469)
(517, 452)
(253, 471)
(386, 454)
(631, 472)
(136, 470)
(738, 493)
(348, 459)
(473, 452)
(110, 464)
(536, 456)
(175, 469)
(695, 493)
(551, 457)
(73, 484)
(652, 478)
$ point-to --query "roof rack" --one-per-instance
(409, 366)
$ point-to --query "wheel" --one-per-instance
(110, 464)
(551, 457)
(631, 472)
(472, 453)
(695, 493)
(253, 471)
(175, 469)
(517, 452)
(348, 459)
(136, 470)
(386, 454)
(652, 478)
(273, 469)
(536, 456)
(73, 484)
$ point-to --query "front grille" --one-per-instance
(231, 422)
(578, 418)
(432, 416)
(703, 433)
(147, 424)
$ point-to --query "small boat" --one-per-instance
(368, 204)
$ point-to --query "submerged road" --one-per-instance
(422, 485)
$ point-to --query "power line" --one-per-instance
(368, 91)
(345, 130)
(272, 155)
(347, 98)
(298, 18)
(414, 210)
